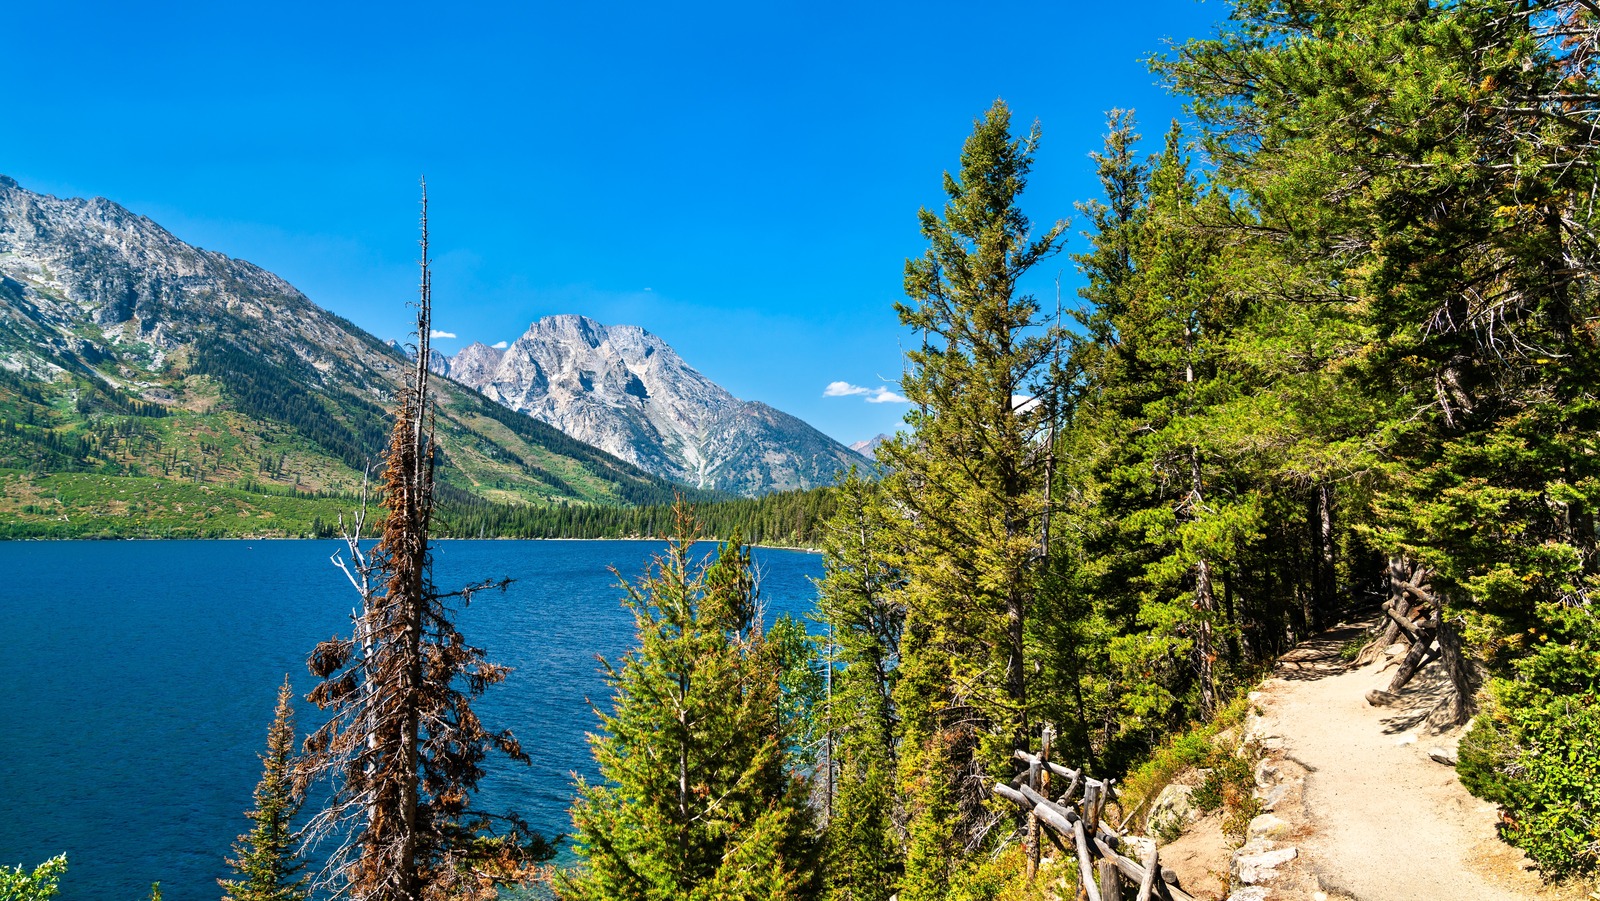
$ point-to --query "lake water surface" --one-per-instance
(139, 679)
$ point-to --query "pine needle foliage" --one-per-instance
(267, 861)
(968, 479)
(695, 802)
(41, 884)
(859, 601)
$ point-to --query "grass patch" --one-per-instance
(1198, 748)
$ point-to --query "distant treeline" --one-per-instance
(790, 519)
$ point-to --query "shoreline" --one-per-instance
(765, 547)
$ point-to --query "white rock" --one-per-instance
(1173, 810)
(1254, 868)
(1257, 845)
(1137, 846)
(1266, 772)
(1274, 796)
(1267, 826)
(1249, 893)
(1440, 755)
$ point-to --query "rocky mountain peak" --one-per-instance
(626, 391)
(869, 447)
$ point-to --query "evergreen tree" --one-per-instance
(403, 745)
(1432, 168)
(41, 884)
(859, 603)
(695, 802)
(968, 482)
(802, 693)
(267, 860)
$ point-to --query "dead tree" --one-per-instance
(1414, 615)
(1408, 586)
(403, 748)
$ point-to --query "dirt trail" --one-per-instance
(1375, 818)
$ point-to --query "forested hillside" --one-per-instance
(786, 519)
(1348, 319)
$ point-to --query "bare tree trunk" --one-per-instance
(1205, 646)
(1460, 705)
(1405, 593)
(1323, 572)
(1205, 600)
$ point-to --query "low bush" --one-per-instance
(1197, 748)
(1535, 749)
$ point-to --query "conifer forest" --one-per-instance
(1336, 359)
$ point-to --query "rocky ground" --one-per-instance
(1359, 802)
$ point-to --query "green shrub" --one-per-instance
(1194, 749)
(40, 885)
(1541, 764)
(1229, 774)
(1535, 749)
(1003, 877)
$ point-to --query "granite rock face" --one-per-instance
(626, 391)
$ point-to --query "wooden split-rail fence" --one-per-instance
(1073, 823)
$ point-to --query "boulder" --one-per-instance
(1267, 826)
(1441, 755)
(1251, 869)
(1173, 810)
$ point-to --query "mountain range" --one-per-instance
(132, 362)
(144, 378)
(626, 391)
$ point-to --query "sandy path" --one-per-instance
(1379, 820)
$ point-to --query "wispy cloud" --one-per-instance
(879, 395)
(436, 333)
(843, 389)
(499, 345)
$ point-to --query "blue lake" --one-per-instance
(139, 679)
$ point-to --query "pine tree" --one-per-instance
(968, 481)
(1440, 161)
(403, 745)
(39, 885)
(267, 861)
(858, 601)
(695, 802)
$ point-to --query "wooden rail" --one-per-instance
(1073, 824)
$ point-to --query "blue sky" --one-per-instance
(741, 179)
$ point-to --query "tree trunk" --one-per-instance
(1460, 705)
(1205, 646)
(1400, 600)
(1324, 575)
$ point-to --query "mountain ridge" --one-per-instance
(628, 392)
(129, 352)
